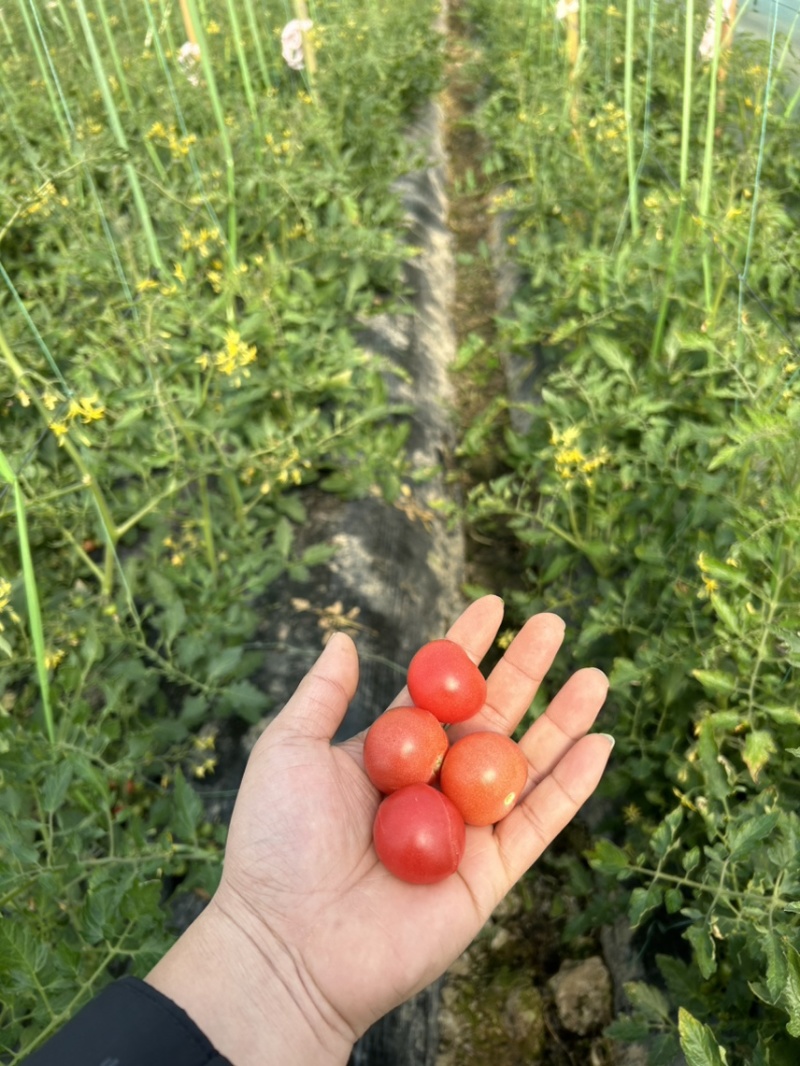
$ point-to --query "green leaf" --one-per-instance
(791, 998)
(224, 664)
(715, 682)
(758, 746)
(743, 837)
(701, 940)
(607, 858)
(55, 787)
(242, 698)
(642, 902)
(776, 966)
(691, 859)
(698, 1043)
(283, 537)
(187, 809)
(651, 1001)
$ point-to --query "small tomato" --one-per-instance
(419, 835)
(405, 746)
(445, 681)
(483, 774)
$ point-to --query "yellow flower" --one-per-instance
(213, 28)
(179, 274)
(236, 354)
(53, 659)
(24, 398)
(87, 409)
(49, 399)
(147, 284)
(59, 428)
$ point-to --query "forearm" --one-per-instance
(251, 1000)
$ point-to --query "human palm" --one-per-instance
(300, 870)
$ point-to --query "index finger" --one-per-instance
(515, 680)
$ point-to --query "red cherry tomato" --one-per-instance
(484, 774)
(405, 746)
(445, 681)
(419, 835)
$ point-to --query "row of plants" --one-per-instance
(650, 488)
(196, 214)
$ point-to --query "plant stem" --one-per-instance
(633, 178)
(119, 135)
(31, 593)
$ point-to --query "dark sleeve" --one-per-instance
(129, 1023)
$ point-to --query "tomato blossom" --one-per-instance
(292, 42)
(188, 61)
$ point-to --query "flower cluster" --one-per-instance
(233, 360)
(86, 409)
(570, 462)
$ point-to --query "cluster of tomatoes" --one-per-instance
(419, 831)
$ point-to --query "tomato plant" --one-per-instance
(484, 774)
(445, 681)
(419, 835)
(405, 746)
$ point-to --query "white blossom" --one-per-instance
(292, 42)
(189, 60)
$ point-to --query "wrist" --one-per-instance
(248, 993)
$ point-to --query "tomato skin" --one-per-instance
(405, 746)
(483, 774)
(445, 681)
(419, 835)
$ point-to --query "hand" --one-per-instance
(309, 940)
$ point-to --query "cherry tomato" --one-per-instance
(419, 835)
(405, 746)
(484, 774)
(445, 681)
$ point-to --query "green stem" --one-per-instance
(121, 139)
(122, 80)
(252, 22)
(44, 70)
(31, 594)
(633, 180)
(219, 115)
(238, 42)
(677, 241)
(708, 148)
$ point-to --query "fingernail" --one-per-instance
(609, 738)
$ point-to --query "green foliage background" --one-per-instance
(187, 254)
(652, 479)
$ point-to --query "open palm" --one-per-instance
(300, 870)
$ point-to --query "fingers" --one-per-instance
(571, 713)
(513, 683)
(319, 703)
(524, 834)
(474, 629)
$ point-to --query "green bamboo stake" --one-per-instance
(633, 177)
(252, 22)
(219, 115)
(121, 139)
(31, 593)
(708, 149)
(122, 80)
(757, 182)
(44, 70)
(686, 122)
(238, 44)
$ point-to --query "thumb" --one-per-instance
(319, 703)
